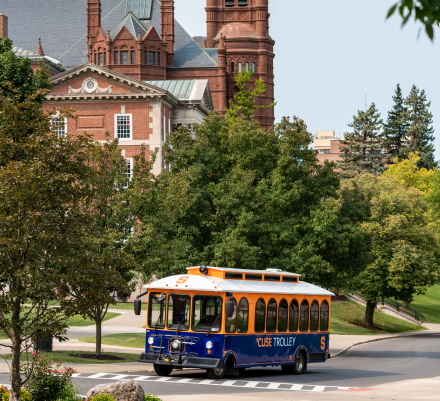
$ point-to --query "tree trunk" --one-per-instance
(369, 313)
(98, 330)
(15, 394)
(405, 304)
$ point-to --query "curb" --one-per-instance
(384, 338)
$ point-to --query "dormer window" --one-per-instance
(124, 57)
(242, 3)
(229, 3)
(158, 58)
(152, 58)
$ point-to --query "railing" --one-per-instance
(405, 310)
(397, 306)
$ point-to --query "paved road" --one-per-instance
(364, 366)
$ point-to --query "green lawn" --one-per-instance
(428, 304)
(68, 357)
(344, 312)
(132, 340)
(76, 321)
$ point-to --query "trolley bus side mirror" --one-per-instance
(137, 307)
(229, 308)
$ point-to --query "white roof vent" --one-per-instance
(274, 270)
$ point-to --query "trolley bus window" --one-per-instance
(272, 315)
(260, 315)
(178, 311)
(290, 279)
(156, 311)
(256, 277)
(243, 316)
(283, 311)
(272, 278)
(324, 316)
(207, 313)
(304, 316)
(314, 316)
(234, 276)
(231, 322)
(293, 315)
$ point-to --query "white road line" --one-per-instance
(97, 376)
(223, 383)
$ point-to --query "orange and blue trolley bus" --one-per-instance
(226, 320)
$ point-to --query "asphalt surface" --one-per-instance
(364, 366)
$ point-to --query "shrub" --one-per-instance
(150, 397)
(25, 396)
(69, 393)
(3, 390)
(103, 397)
(48, 382)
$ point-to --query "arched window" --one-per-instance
(229, 3)
(247, 67)
(239, 67)
(260, 315)
(293, 315)
(272, 315)
(314, 316)
(242, 2)
(253, 67)
(304, 316)
(283, 311)
(231, 322)
(232, 68)
(158, 58)
(243, 316)
(116, 54)
(324, 316)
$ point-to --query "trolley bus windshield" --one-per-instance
(178, 312)
(207, 312)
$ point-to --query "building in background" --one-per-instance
(327, 144)
(132, 72)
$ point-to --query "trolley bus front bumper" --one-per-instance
(185, 362)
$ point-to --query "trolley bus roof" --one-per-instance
(191, 282)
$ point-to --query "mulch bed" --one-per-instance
(98, 357)
(366, 326)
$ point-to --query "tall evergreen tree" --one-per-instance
(420, 134)
(361, 150)
(395, 129)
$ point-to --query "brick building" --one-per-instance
(129, 68)
(327, 144)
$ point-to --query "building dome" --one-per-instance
(236, 30)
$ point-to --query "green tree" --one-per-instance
(395, 129)
(255, 199)
(405, 250)
(244, 102)
(16, 72)
(425, 11)
(361, 150)
(113, 223)
(408, 173)
(46, 224)
(420, 133)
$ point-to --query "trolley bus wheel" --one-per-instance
(299, 367)
(163, 370)
(216, 374)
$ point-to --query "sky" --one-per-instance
(326, 50)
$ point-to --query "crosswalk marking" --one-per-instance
(256, 385)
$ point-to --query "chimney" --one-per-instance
(167, 27)
(3, 26)
(211, 22)
(93, 17)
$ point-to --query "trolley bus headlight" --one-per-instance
(150, 340)
(175, 344)
(209, 344)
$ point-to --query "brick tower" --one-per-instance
(243, 26)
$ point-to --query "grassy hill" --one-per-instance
(345, 313)
(429, 304)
